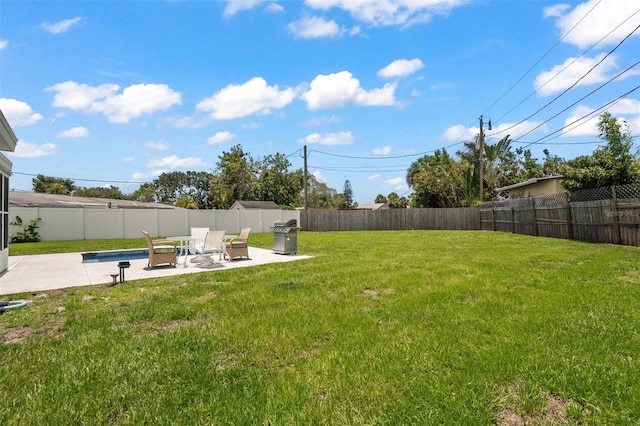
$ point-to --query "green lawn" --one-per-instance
(413, 327)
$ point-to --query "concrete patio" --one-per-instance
(27, 274)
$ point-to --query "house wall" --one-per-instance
(551, 186)
(5, 172)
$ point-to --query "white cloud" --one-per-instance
(74, 132)
(339, 138)
(235, 6)
(321, 121)
(464, 134)
(274, 8)
(31, 150)
(320, 177)
(4, 44)
(397, 183)
(137, 100)
(563, 76)
(80, 97)
(504, 129)
(157, 145)
(220, 137)
(401, 68)
(598, 23)
(460, 133)
(18, 113)
(61, 26)
(382, 151)
(138, 177)
(626, 109)
(128, 159)
(389, 12)
(341, 89)
(373, 178)
(174, 162)
(555, 11)
(133, 102)
(314, 27)
(254, 96)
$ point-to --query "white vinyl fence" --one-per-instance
(62, 224)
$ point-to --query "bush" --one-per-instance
(29, 233)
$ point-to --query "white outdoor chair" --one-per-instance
(199, 233)
(213, 244)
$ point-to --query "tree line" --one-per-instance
(437, 180)
(440, 180)
(237, 176)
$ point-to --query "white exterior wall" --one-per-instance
(62, 224)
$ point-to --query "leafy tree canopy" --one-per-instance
(612, 164)
(52, 185)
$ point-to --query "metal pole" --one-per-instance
(481, 167)
(305, 179)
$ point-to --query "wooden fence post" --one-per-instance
(513, 221)
(534, 219)
(569, 222)
(493, 215)
(614, 212)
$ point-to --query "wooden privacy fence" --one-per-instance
(390, 219)
(612, 220)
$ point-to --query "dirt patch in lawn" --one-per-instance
(555, 409)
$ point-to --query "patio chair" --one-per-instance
(161, 251)
(199, 233)
(213, 244)
(239, 246)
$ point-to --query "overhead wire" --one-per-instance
(538, 62)
(572, 85)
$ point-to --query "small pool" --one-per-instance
(114, 255)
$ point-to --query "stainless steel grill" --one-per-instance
(285, 236)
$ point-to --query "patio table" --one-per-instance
(184, 241)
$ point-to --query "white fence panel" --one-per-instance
(103, 224)
(136, 221)
(173, 222)
(62, 224)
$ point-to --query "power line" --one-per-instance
(574, 84)
(580, 100)
(83, 180)
(537, 62)
(562, 129)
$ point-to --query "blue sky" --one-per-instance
(117, 92)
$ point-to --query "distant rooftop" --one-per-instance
(38, 199)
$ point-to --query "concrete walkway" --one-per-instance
(42, 272)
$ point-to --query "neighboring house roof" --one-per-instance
(528, 182)
(246, 205)
(375, 206)
(8, 139)
(38, 199)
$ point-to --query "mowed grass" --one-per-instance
(414, 327)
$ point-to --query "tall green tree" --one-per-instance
(320, 195)
(348, 195)
(145, 194)
(111, 191)
(53, 185)
(233, 179)
(435, 180)
(612, 164)
(274, 181)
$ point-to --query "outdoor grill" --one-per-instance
(285, 237)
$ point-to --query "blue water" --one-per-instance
(114, 255)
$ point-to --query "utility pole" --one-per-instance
(306, 184)
(481, 156)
